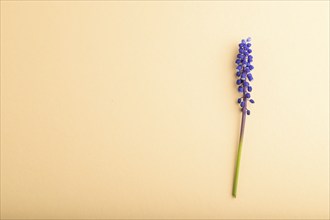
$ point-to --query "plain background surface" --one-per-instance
(127, 110)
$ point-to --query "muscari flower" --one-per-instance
(244, 68)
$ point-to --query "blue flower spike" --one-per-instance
(244, 68)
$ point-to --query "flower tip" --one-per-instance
(248, 39)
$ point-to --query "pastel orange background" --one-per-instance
(127, 109)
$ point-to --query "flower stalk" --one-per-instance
(239, 153)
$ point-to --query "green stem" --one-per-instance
(238, 160)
